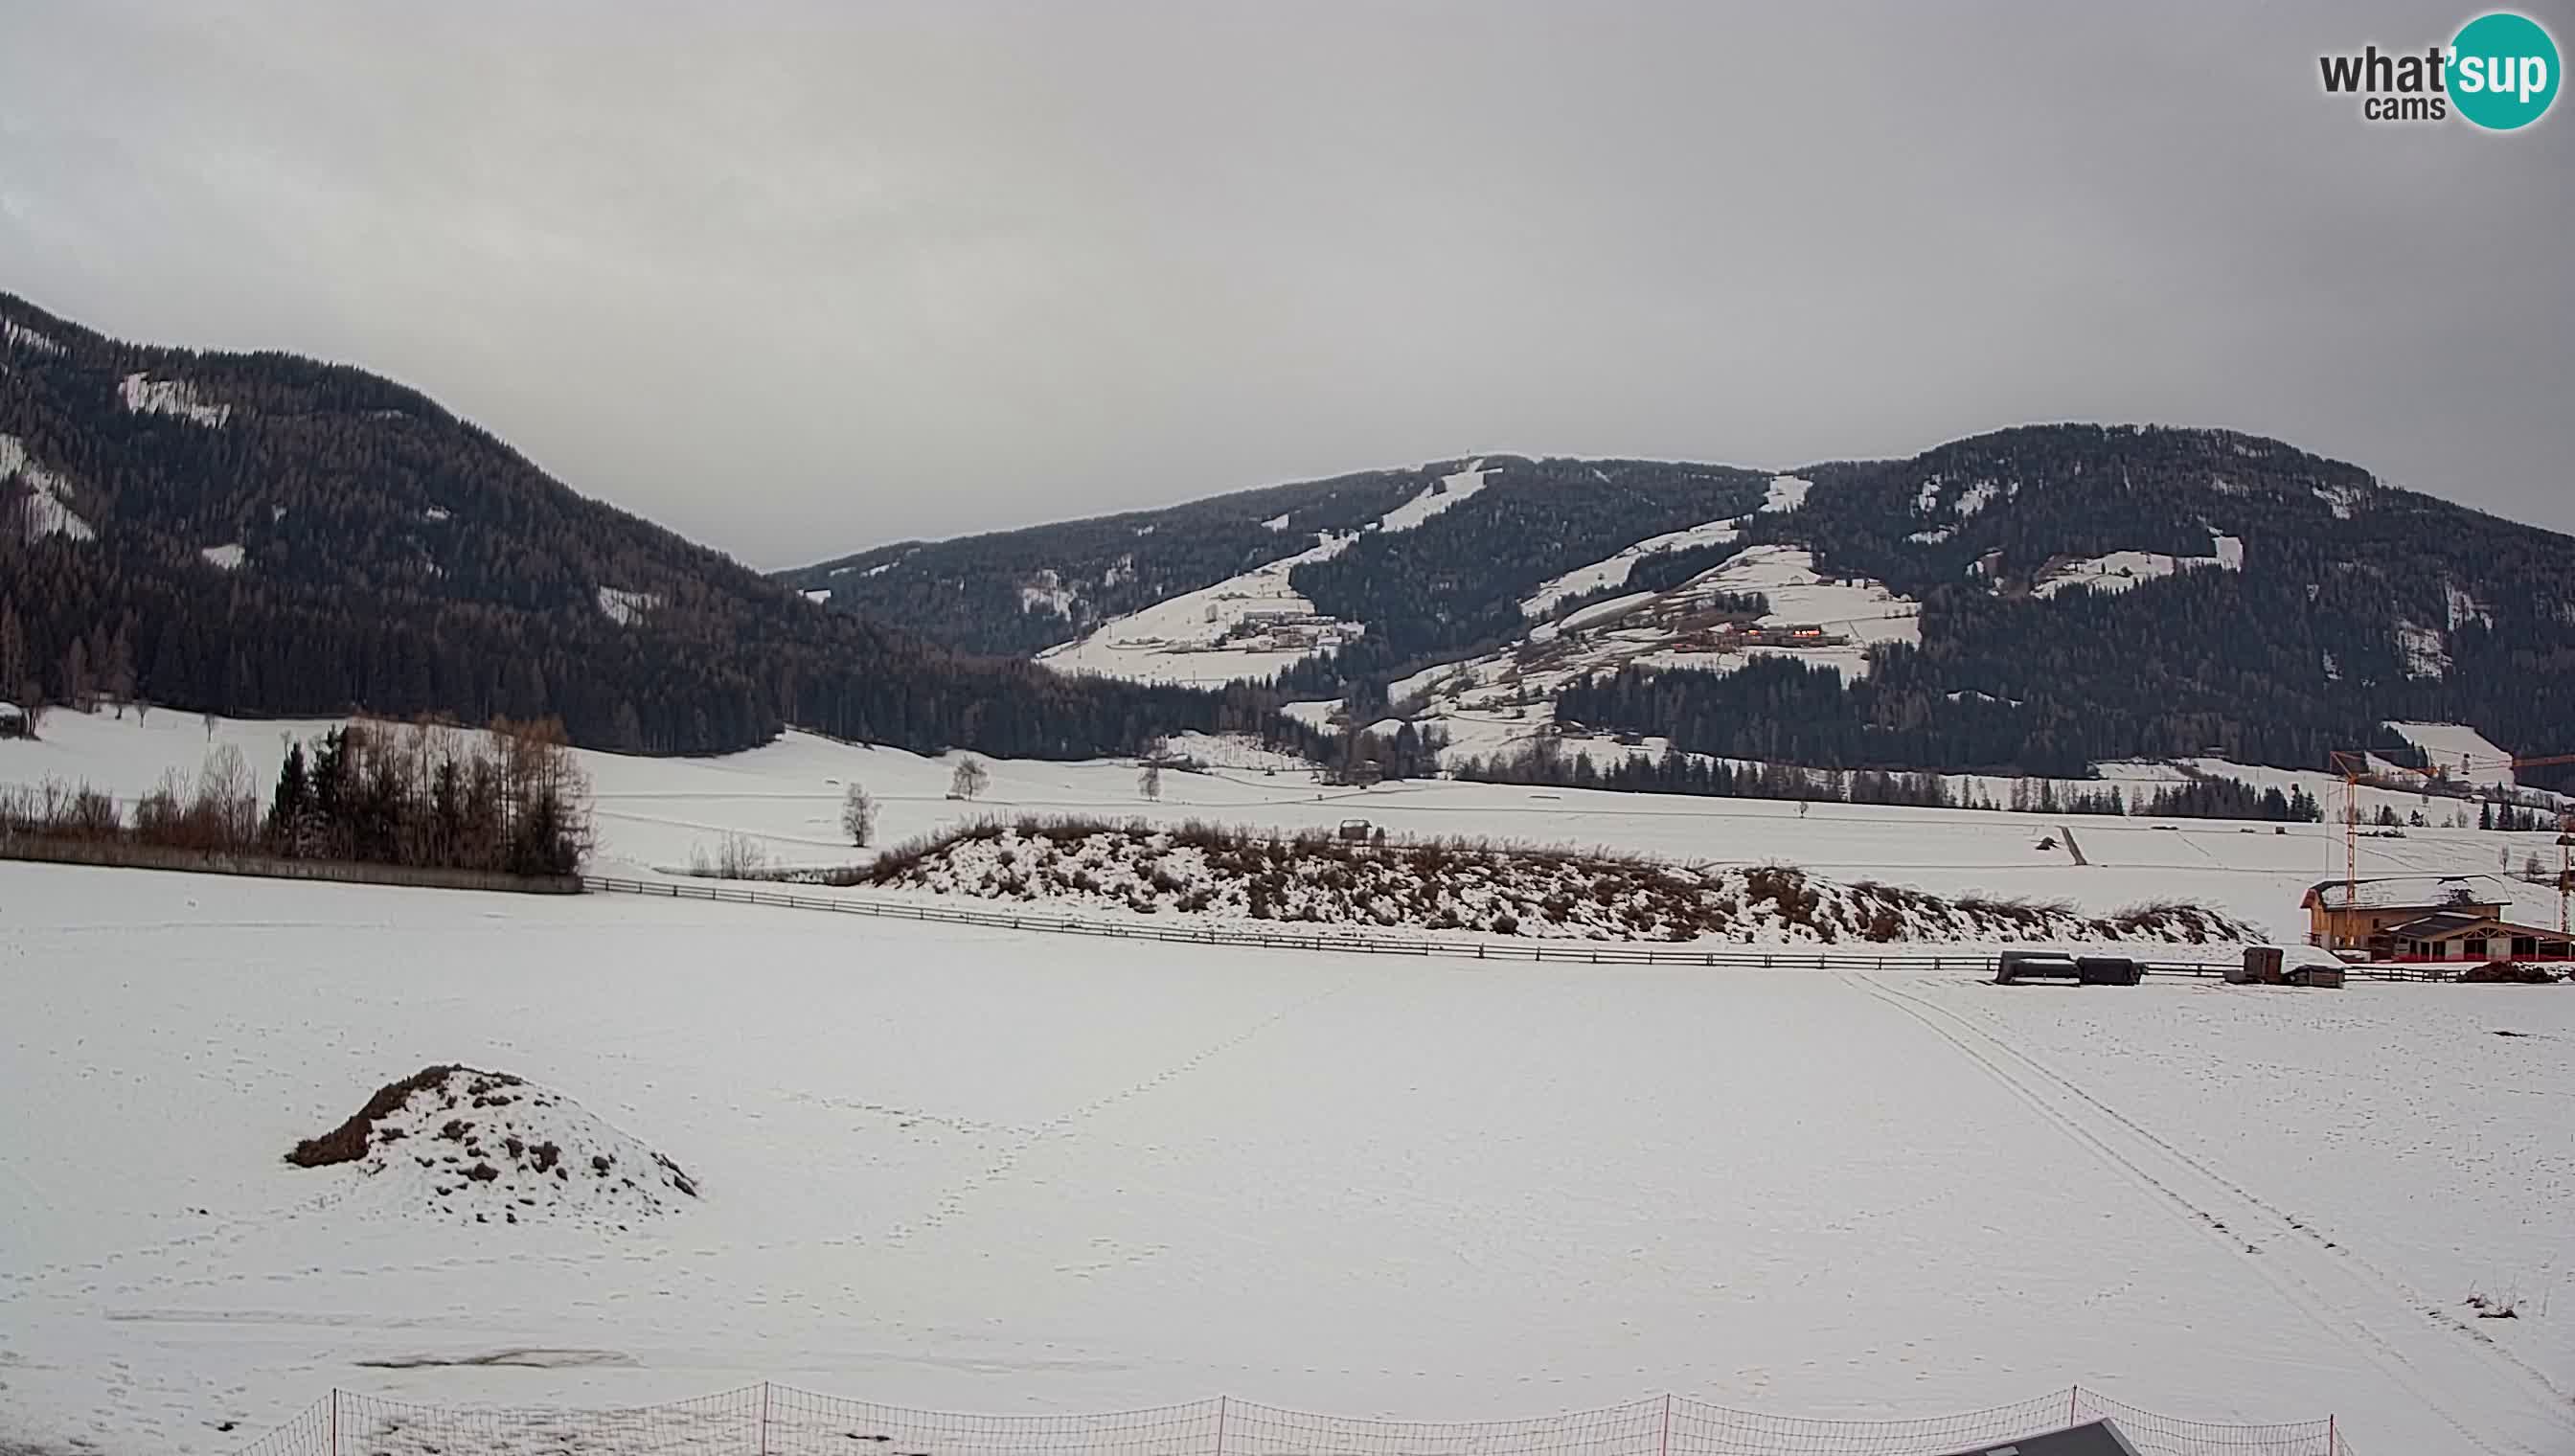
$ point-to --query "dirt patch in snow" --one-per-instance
(1219, 874)
(523, 1358)
(489, 1147)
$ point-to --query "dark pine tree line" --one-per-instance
(1547, 760)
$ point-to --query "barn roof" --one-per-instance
(2092, 1438)
(2443, 923)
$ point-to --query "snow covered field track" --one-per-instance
(964, 1168)
(2442, 1359)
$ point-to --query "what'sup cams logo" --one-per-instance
(2499, 72)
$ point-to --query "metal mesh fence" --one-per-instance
(708, 1425)
(307, 1434)
(802, 1423)
(1633, 1429)
(780, 1420)
(2161, 1435)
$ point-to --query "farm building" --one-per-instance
(2463, 936)
(13, 722)
(2424, 917)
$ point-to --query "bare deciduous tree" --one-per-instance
(971, 778)
(858, 816)
(737, 857)
(1149, 782)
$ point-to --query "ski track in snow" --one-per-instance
(2440, 1359)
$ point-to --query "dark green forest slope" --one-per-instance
(264, 534)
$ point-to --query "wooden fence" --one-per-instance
(2212, 963)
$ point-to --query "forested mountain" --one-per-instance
(2302, 605)
(264, 534)
(1453, 584)
(1018, 591)
(1448, 584)
(2086, 592)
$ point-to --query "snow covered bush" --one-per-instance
(1318, 879)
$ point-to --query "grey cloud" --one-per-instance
(799, 279)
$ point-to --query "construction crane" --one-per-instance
(2355, 767)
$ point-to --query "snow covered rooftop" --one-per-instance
(2400, 891)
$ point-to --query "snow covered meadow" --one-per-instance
(968, 1170)
(654, 815)
(952, 1167)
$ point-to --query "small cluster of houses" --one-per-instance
(1273, 629)
(2424, 917)
(1796, 635)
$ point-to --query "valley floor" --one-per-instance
(989, 1170)
(784, 799)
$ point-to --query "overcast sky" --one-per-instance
(800, 280)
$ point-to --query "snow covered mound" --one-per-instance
(1240, 875)
(487, 1147)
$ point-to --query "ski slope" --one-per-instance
(1612, 571)
(986, 1170)
(1216, 634)
(1196, 637)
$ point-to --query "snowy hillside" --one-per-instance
(1247, 626)
(46, 509)
(1813, 619)
(2120, 569)
(1453, 489)
(2047, 574)
(1613, 572)
(2461, 754)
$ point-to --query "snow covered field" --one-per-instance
(988, 1170)
(652, 813)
